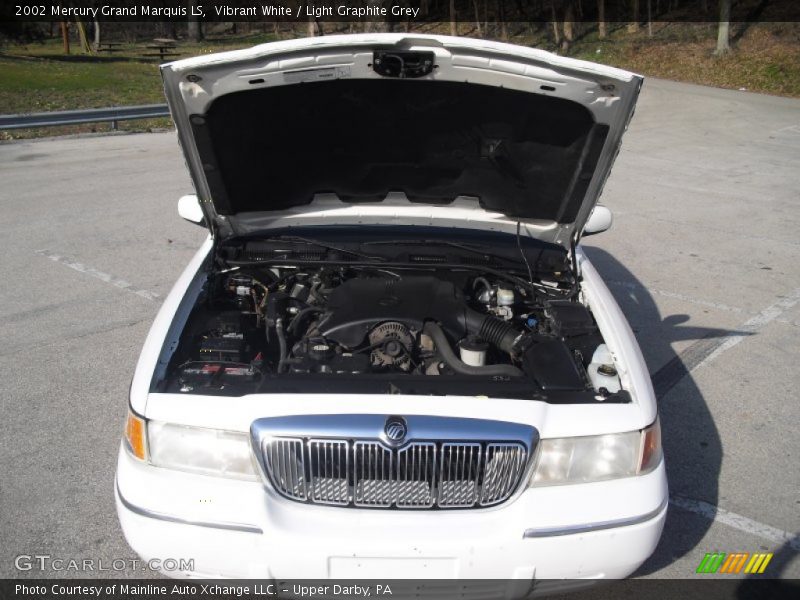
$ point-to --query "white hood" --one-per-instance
(329, 123)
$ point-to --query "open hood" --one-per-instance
(429, 125)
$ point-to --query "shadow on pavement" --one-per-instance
(692, 446)
(755, 586)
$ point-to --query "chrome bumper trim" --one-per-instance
(144, 512)
(588, 527)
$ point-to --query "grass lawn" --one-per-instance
(765, 58)
(38, 77)
(41, 84)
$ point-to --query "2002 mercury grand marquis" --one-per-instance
(391, 356)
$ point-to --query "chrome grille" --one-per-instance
(372, 474)
(416, 476)
(328, 471)
(284, 459)
(459, 471)
(504, 465)
(421, 474)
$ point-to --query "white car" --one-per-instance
(391, 358)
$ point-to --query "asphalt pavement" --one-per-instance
(703, 257)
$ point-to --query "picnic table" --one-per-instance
(109, 47)
(162, 48)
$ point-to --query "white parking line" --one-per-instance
(705, 350)
(667, 294)
(788, 322)
(790, 128)
(115, 281)
(742, 523)
(769, 314)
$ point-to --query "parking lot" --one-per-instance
(704, 259)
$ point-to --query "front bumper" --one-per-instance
(241, 529)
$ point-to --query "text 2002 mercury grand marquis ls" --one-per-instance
(391, 356)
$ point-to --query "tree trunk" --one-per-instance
(96, 42)
(723, 33)
(375, 26)
(314, 27)
(554, 18)
(84, 39)
(193, 29)
(602, 28)
(65, 35)
(501, 15)
(649, 18)
(569, 27)
(453, 24)
(633, 26)
(477, 18)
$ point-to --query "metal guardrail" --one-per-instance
(113, 115)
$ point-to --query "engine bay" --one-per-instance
(299, 315)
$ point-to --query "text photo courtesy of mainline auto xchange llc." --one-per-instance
(400, 299)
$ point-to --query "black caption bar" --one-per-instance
(248, 589)
(398, 11)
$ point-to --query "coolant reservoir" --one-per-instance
(602, 371)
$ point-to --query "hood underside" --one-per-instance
(522, 133)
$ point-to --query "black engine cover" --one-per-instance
(359, 304)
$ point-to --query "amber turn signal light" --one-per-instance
(651, 448)
(135, 435)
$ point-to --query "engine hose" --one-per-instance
(483, 281)
(300, 315)
(448, 356)
(281, 344)
(493, 330)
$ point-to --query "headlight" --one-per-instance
(194, 449)
(207, 451)
(597, 458)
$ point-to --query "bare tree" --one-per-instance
(376, 25)
(194, 29)
(602, 30)
(96, 32)
(633, 26)
(723, 33)
(501, 17)
(477, 18)
(453, 23)
(554, 20)
(65, 35)
(569, 26)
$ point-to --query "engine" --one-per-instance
(285, 325)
